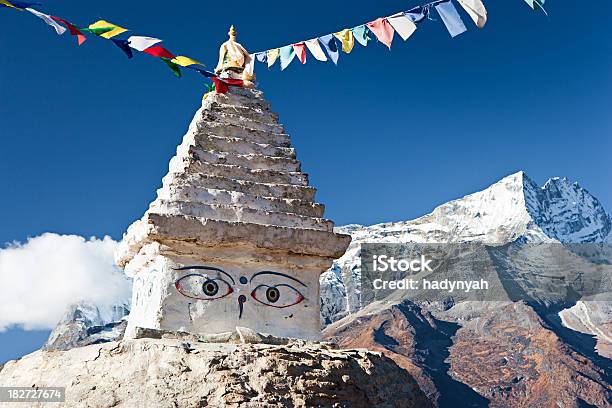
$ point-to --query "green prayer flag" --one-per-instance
(176, 70)
(361, 34)
(97, 31)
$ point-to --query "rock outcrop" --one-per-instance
(159, 373)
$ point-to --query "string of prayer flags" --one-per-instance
(159, 51)
(286, 56)
(382, 30)
(72, 29)
(451, 18)
(347, 39)
(329, 44)
(142, 43)
(272, 56)
(402, 25)
(476, 11)
(300, 51)
(315, 49)
(360, 33)
(176, 70)
(47, 19)
(185, 61)
(109, 30)
(124, 46)
(322, 48)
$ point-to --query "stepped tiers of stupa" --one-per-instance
(234, 237)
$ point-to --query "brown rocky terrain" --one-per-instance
(507, 357)
(174, 373)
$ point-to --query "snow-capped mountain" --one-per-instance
(481, 353)
(86, 323)
(513, 208)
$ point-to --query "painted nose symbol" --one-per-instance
(241, 300)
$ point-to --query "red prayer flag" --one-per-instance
(382, 30)
(159, 51)
(300, 51)
(222, 85)
(73, 30)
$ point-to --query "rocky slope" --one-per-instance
(175, 373)
(508, 357)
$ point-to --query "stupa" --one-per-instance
(234, 237)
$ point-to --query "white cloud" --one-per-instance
(40, 278)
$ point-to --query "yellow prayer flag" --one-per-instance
(273, 56)
(7, 4)
(185, 61)
(347, 39)
(116, 30)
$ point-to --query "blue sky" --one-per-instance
(86, 134)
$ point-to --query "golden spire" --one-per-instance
(232, 33)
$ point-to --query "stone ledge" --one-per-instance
(196, 182)
(242, 335)
(240, 214)
(193, 166)
(237, 198)
(235, 130)
(165, 229)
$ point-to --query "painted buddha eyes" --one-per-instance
(214, 283)
(278, 296)
(202, 287)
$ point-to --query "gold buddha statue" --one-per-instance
(234, 60)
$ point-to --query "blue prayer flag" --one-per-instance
(262, 57)
(286, 56)
(202, 71)
(417, 14)
(124, 45)
(451, 18)
(331, 47)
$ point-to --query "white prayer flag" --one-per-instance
(142, 43)
(402, 25)
(249, 68)
(315, 49)
(59, 29)
(476, 10)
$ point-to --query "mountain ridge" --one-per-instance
(511, 353)
(513, 208)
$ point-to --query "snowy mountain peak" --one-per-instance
(513, 208)
(569, 213)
